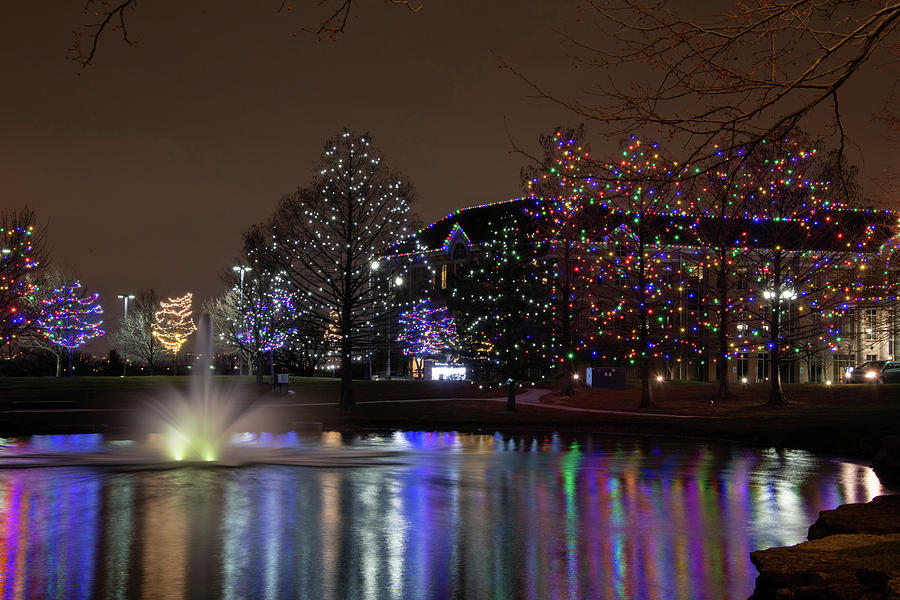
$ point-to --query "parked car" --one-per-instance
(890, 372)
(868, 372)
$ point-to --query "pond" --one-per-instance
(406, 515)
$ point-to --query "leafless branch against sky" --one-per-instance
(109, 17)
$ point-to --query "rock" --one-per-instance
(887, 460)
(837, 567)
(880, 516)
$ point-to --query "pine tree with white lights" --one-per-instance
(328, 235)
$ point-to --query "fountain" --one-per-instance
(196, 426)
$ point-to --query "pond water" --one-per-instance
(406, 515)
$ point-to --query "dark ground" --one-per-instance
(844, 420)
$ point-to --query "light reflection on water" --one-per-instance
(454, 516)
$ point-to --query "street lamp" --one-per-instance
(126, 298)
(241, 269)
(392, 281)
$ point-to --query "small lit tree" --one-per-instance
(172, 324)
(71, 316)
(426, 331)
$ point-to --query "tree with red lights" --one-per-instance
(562, 187)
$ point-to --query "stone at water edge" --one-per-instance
(836, 567)
(880, 516)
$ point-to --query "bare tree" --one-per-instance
(113, 18)
(136, 333)
(328, 235)
(751, 73)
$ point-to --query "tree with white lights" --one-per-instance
(327, 236)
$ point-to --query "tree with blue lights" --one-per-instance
(70, 317)
(562, 188)
(22, 255)
(426, 331)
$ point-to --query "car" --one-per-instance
(890, 372)
(868, 372)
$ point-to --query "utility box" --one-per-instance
(280, 383)
(605, 377)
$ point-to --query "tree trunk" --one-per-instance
(722, 357)
(776, 393)
(646, 390)
(69, 369)
(511, 395)
(644, 335)
(260, 361)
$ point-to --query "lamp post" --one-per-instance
(776, 297)
(126, 298)
(392, 281)
(241, 269)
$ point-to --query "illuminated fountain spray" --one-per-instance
(197, 426)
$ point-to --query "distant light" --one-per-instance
(660, 378)
(743, 380)
(828, 382)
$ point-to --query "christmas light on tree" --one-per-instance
(172, 322)
(426, 331)
(562, 188)
(70, 317)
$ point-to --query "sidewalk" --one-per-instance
(531, 397)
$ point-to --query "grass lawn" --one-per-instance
(839, 419)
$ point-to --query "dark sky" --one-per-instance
(148, 165)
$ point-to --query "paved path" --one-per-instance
(530, 396)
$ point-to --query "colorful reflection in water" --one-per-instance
(461, 516)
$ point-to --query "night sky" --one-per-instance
(148, 165)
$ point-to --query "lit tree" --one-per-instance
(426, 331)
(326, 238)
(721, 201)
(643, 216)
(70, 317)
(502, 303)
(269, 319)
(172, 324)
(22, 255)
(803, 250)
(562, 187)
